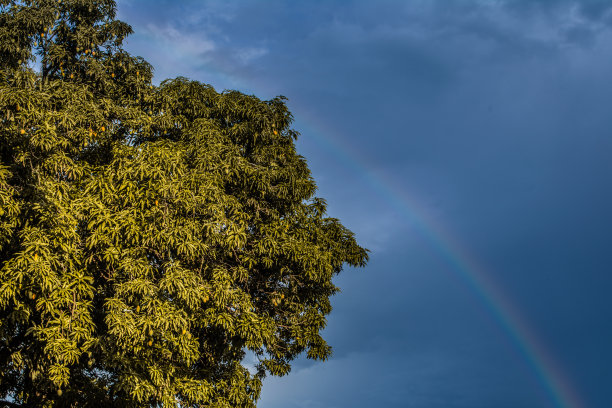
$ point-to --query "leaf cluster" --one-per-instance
(149, 235)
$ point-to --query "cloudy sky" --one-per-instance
(468, 144)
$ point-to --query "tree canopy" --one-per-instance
(149, 235)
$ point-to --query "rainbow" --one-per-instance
(546, 369)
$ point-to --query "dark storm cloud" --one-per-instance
(591, 9)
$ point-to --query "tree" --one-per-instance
(149, 235)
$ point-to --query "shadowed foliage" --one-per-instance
(149, 235)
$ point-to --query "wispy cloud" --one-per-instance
(180, 42)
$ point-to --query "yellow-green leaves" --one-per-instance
(150, 236)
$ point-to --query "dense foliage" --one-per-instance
(149, 235)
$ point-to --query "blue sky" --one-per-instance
(467, 144)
